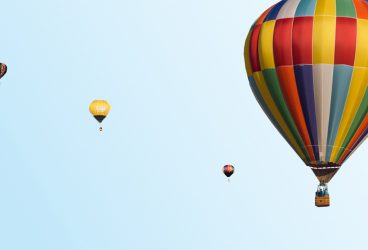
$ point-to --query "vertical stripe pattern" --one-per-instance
(307, 62)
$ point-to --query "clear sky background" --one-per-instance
(182, 107)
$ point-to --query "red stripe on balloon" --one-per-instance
(253, 49)
(282, 42)
(290, 91)
(302, 40)
(346, 35)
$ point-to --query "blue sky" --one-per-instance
(174, 75)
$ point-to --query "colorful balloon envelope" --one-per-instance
(307, 64)
(228, 170)
(3, 69)
(99, 109)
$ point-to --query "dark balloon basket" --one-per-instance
(322, 201)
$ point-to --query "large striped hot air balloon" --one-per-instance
(307, 64)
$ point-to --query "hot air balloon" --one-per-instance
(99, 109)
(3, 70)
(228, 170)
(307, 64)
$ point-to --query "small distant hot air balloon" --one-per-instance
(3, 70)
(99, 109)
(228, 170)
(307, 64)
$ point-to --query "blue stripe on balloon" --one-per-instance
(272, 15)
(360, 139)
(304, 79)
(261, 102)
(306, 8)
(340, 89)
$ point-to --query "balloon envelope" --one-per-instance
(307, 64)
(3, 69)
(99, 109)
(228, 170)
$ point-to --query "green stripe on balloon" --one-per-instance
(359, 117)
(263, 104)
(345, 8)
(272, 82)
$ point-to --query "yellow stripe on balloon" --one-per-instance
(248, 65)
(99, 108)
(358, 85)
(324, 30)
(326, 8)
(265, 45)
(266, 95)
(361, 58)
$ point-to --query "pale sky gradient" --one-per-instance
(182, 107)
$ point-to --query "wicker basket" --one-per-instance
(322, 201)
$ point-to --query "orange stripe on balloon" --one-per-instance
(290, 91)
(355, 138)
(361, 9)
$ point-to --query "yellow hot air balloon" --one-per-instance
(99, 109)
